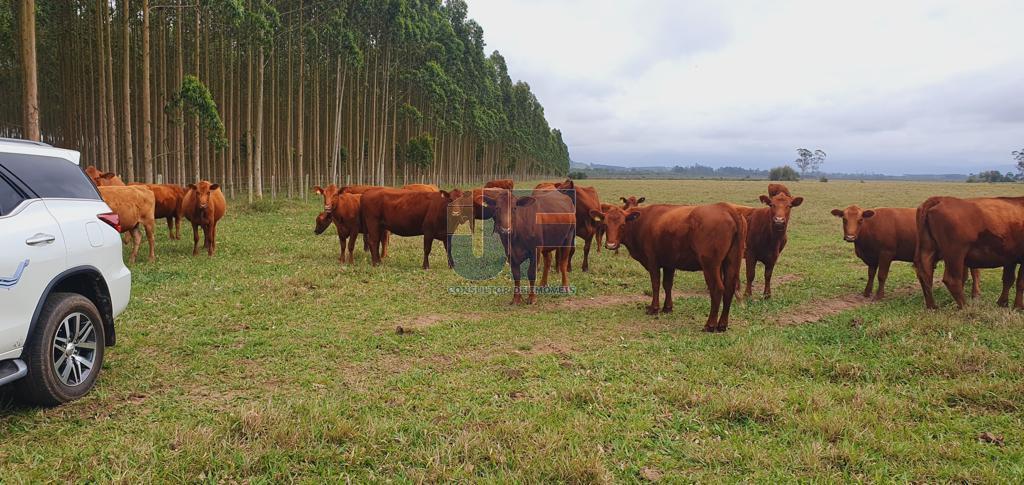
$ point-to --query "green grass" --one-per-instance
(270, 362)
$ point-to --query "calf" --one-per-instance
(766, 234)
(409, 213)
(506, 184)
(970, 233)
(203, 206)
(881, 236)
(134, 207)
(168, 205)
(330, 194)
(421, 187)
(543, 223)
(664, 238)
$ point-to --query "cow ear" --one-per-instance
(765, 200)
(214, 187)
(445, 194)
(318, 189)
(796, 202)
(596, 215)
(192, 186)
(868, 214)
(837, 212)
(641, 200)
(623, 199)
(108, 175)
(632, 216)
(525, 202)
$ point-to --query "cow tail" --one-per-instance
(924, 232)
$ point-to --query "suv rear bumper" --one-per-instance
(119, 283)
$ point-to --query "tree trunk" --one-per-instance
(147, 128)
(30, 91)
(129, 159)
(259, 126)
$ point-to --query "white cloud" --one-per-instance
(906, 86)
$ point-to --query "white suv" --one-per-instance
(62, 277)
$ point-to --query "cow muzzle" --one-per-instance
(849, 238)
(612, 246)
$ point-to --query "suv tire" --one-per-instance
(64, 352)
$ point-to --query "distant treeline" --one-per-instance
(698, 171)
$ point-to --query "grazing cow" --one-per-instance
(134, 207)
(409, 213)
(168, 205)
(881, 236)
(970, 233)
(421, 187)
(664, 238)
(543, 223)
(766, 233)
(506, 184)
(203, 206)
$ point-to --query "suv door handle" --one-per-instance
(40, 239)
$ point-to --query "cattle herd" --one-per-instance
(138, 206)
(967, 234)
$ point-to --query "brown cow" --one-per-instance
(331, 192)
(203, 206)
(421, 187)
(507, 184)
(541, 223)
(343, 211)
(766, 234)
(627, 203)
(587, 200)
(134, 208)
(664, 238)
(168, 205)
(103, 179)
(409, 213)
(971, 233)
(881, 236)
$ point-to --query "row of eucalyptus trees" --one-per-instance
(275, 95)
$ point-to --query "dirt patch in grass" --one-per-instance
(423, 322)
(815, 311)
(560, 349)
(599, 301)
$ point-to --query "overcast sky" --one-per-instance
(882, 86)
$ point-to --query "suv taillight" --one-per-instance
(111, 219)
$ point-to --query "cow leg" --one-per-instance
(1008, 277)
(151, 239)
(586, 253)
(1018, 301)
(572, 252)
(716, 287)
(531, 273)
(517, 278)
(373, 240)
(872, 269)
(884, 262)
(598, 236)
(669, 275)
(655, 272)
(385, 243)
(769, 267)
(563, 267)
(136, 241)
(924, 266)
(195, 239)
(751, 272)
(351, 248)
(547, 267)
(366, 241)
(213, 238)
(341, 244)
(975, 282)
(953, 277)
(730, 276)
(448, 250)
(177, 227)
(170, 227)
(428, 241)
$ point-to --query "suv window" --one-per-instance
(9, 198)
(50, 176)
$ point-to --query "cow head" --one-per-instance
(457, 213)
(323, 220)
(615, 220)
(852, 217)
(329, 195)
(203, 190)
(503, 209)
(781, 204)
(631, 202)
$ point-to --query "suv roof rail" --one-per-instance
(25, 142)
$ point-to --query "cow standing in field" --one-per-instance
(541, 223)
(586, 200)
(881, 236)
(601, 228)
(168, 205)
(204, 206)
(766, 233)
(342, 209)
(664, 238)
(970, 233)
(134, 207)
(409, 213)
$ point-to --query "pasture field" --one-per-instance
(271, 363)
